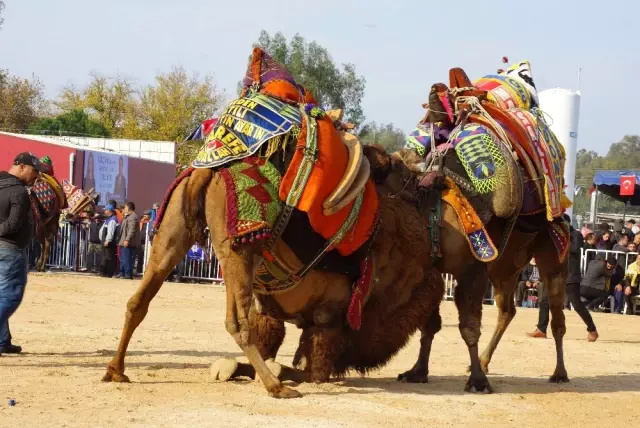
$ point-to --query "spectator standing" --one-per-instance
(108, 233)
(94, 252)
(605, 243)
(129, 240)
(16, 230)
(572, 291)
(145, 232)
(622, 246)
(590, 243)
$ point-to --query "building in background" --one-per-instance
(124, 170)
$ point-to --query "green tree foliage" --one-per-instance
(75, 122)
(312, 67)
(22, 101)
(389, 137)
(166, 110)
(1, 10)
(624, 154)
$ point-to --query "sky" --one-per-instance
(401, 47)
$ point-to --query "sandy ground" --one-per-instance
(70, 325)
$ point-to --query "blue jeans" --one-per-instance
(126, 261)
(13, 279)
(619, 296)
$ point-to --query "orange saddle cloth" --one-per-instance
(320, 160)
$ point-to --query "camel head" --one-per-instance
(397, 173)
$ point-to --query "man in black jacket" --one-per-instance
(572, 290)
(16, 231)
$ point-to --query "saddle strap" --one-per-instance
(284, 279)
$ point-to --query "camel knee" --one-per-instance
(434, 324)
(470, 332)
(134, 305)
(239, 330)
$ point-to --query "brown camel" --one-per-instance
(405, 290)
(529, 238)
(405, 297)
(70, 202)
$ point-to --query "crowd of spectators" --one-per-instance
(612, 270)
(116, 240)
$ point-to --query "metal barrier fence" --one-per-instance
(70, 248)
(586, 254)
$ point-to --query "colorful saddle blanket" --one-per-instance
(513, 97)
(274, 110)
(50, 197)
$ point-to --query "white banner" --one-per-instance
(107, 174)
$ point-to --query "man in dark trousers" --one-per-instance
(94, 253)
(16, 231)
(129, 240)
(108, 235)
(572, 290)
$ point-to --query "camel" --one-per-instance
(529, 238)
(400, 291)
(484, 154)
(50, 201)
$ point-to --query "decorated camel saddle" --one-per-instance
(51, 200)
(505, 153)
(292, 171)
(47, 195)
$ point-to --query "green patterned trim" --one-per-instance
(309, 159)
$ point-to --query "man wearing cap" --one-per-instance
(16, 231)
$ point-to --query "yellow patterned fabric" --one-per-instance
(478, 152)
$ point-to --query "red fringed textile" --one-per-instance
(184, 174)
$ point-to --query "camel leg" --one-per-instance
(554, 276)
(169, 247)
(267, 333)
(238, 271)
(503, 295)
(420, 371)
(44, 255)
(469, 295)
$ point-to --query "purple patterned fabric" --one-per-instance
(270, 70)
(530, 202)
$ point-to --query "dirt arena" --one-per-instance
(70, 325)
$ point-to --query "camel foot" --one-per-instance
(223, 369)
(113, 376)
(559, 378)
(478, 383)
(414, 376)
(284, 392)
(275, 368)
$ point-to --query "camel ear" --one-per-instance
(379, 161)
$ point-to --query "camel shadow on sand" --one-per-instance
(454, 385)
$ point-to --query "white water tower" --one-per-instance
(562, 111)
